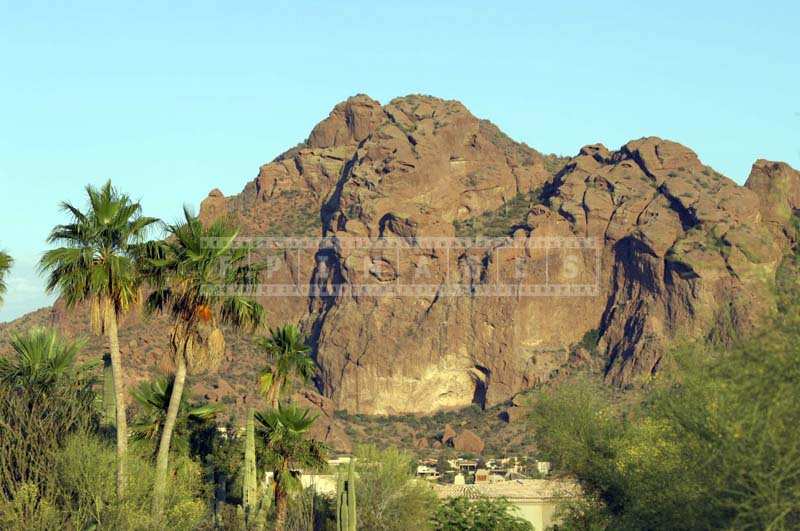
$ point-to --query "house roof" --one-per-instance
(518, 489)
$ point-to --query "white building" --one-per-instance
(535, 500)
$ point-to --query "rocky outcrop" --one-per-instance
(681, 252)
(468, 441)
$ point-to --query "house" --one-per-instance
(535, 500)
(427, 472)
(543, 467)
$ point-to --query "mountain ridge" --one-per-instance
(686, 253)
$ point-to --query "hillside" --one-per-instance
(682, 252)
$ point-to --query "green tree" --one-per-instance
(96, 265)
(389, 496)
(288, 447)
(41, 359)
(288, 355)
(153, 398)
(44, 396)
(714, 445)
(462, 514)
(185, 270)
(5, 266)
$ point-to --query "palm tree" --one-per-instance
(43, 358)
(186, 269)
(5, 265)
(288, 448)
(97, 265)
(288, 354)
(153, 399)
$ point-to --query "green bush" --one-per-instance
(83, 495)
(716, 444)
(33, 423)
(389, 496)
(462, 514)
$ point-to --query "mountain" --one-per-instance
(673, 250)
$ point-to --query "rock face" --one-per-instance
(467, 441)
(682, 252)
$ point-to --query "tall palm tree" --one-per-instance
(5, 265)
(42, 358)
(153, 400)
(96, 265)
(285, 433)
(288, 354)
(187, 269)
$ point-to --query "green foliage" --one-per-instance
(715, 445)
(309, 510)
(287, 449)
(389, 496)
(287, 353)
(499, 222)
(5, 266)
(43, 398)
(86, 489)
(42, 359)
(462, 514)
(152, 398)
(97, 259)
(185, 269)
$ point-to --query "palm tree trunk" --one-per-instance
(110, 319)
(162, 459)
(275, 391)
(281, 505)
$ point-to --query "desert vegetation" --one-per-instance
(714, 442)
(80, 451)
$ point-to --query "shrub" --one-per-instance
(387, 493)
(462, 514)
(33, 423)
(86, 493)
(716, 444)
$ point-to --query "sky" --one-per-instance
(173, 99)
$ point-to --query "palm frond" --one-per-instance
(97, 254)
(5, 266)
(41, 359)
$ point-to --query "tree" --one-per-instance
(714, 445)
(389, 496)
(285, 434)
(185, 270)
(153, 399)
(44, 396)
(42, 359)
(462, 514)
(5, 266)
(97, 265)
(288, 354)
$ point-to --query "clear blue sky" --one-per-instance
(170, 100)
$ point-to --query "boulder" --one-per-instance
(468, 441)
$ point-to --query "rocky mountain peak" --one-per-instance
(682, 252)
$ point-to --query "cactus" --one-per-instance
(249, 484)
(256, 498)
(346, 500)
(109, 399)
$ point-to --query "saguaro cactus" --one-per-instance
(346, 500)
(250, 485)
(255, 498)
(109, 398)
